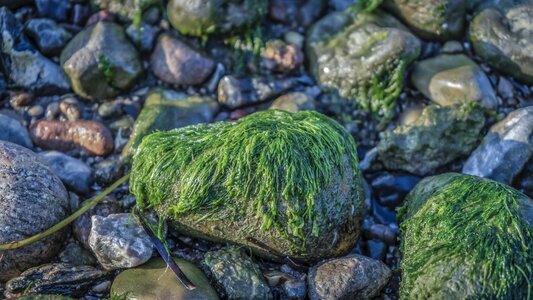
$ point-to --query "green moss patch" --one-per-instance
(464, 237)
(273, 162)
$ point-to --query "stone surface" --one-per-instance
(350, 277)
(143, 36)
(361, 56)
(297, 12)
(439, 19)
(237, 274)
(461, 235)
(57, 278)
(506, 148)
(32, 199)
(53, 9)
(24, 65)
(281, 57)
(437, 137)
(13, 131)
(167, 109)
(449, 79)
(100, 61)
(75, 255)
(90, 136)
(154, 281)
(81, 227)
(236, 92)
(200, 18)
(118, 241)
(391, 188)
(294, 102)
(126, 8)
(48, 35)
(74, 173)
(176, 62)
(503, 37)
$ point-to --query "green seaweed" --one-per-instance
(471, 223)
(366, 6)
(107, 69)
(272, 162)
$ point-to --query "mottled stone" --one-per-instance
(32, 199)
(350, 277)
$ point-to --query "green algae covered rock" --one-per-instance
(166, 109)
(203, 17)
(438, 136)
(437, 19)
(464, 237)
(290, 181)
(155, 281)
(362, 56)
(126, 8)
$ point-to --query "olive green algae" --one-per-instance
(291, 181)
(465, 237)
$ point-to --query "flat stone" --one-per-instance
(74, 173)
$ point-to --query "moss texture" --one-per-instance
(264, 161)
(464, 237)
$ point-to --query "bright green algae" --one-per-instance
(273, 162)
(464, 237)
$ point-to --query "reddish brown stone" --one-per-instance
(283, 58)
(93, 137)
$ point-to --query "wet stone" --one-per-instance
(76, 255)
(237, 92)
(74, 173)
(13, 131)
(48, 35)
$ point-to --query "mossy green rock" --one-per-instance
(155, 281)
(464, 237)
(448, 79)
(203, 17)
(126, 8)
(437, 137)
(362, 56)
(237, 274)
(290, 181)
(167, 109)
(502, 35)
(437, 19)
(100, 61)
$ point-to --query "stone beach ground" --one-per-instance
(281, 149)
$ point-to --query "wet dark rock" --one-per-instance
(154, 281)
(118, 241)
(36, 111)
(74, 173)
(52, 111)
(294, 102)
(234, 92)
(375, 249)
(53, 9)
(90, 136)
(110, 109)
(502, 36)
(107, 171)
(168, 109)
(381, 232)
(49, 37)
(296, 12)
(209, 16)
(506, 148)
(505, 88)
(437, 137)
(58, 278)
(100, 16)
(13, 4)
(35, 199)
(143, 36)
(390, 188)
(448, 79)
(43, 297)
(80, 14)
(176, 62)
(237, 274)
(350, 277)
(441, 19)
(13, 131)
(295, 289)
(24, 65)
(70, 108)
(452, 47)
(20, 99)
(100, 61)
(76, 255)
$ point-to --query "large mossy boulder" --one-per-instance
(100, 61)
(289, 181)
(464, 237)
(502, 35)
(362, 56)
(438, 136)
(203, 17)
(437, 19)
(167, 109)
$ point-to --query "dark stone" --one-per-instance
(53, 9)
(234, 92)
(391, 188)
